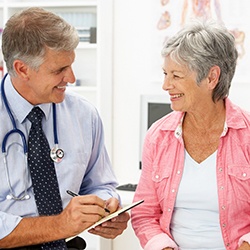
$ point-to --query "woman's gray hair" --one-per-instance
(29, 33)
(202, 45)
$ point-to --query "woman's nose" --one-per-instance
(166, 83)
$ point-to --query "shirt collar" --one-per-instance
(234, 119)
(174, 124)
(234, 116)
(19, 106)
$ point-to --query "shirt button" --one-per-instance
(220, 169)
(178, 172)
(244, 174)
(173, 190)
(223, 225)
(223, 207)
(169, 209)
(221, 187)
(157, 176)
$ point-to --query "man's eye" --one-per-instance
(59, 71)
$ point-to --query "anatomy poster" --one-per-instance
(171, 15)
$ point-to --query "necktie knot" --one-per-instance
(35, 116)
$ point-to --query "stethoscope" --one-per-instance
(56, 153)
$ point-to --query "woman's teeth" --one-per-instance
(177, 95)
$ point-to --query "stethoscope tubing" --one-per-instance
(56, 153)
(15, 129)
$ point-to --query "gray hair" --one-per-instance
(29, 33)
(202, 45)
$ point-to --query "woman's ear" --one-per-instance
(213, 76)
(21, 69)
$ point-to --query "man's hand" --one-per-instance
(111, 229)
(244, 246)
(80, 213)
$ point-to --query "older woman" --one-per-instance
(196, 161)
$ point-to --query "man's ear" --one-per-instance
(213, 76)
(21, 69)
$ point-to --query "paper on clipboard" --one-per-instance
(115, 214)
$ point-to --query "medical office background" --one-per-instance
(118, 65)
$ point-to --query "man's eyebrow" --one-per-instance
(59, 69)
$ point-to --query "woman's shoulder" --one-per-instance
(236, 116)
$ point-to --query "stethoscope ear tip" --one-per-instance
(12, 197)
(8, 197)
(26, 197)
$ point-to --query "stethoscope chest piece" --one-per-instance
(56, 154)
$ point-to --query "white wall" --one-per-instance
(133, 23)
(131, 74)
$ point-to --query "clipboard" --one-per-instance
(115, 214)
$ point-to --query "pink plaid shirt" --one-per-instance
(163, 162)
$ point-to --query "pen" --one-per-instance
(106, 210)
(73, 194)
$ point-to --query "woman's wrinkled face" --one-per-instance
(181, 84)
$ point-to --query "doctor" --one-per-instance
(38, 49)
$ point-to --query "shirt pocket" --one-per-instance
(160, 177)
(239, 177)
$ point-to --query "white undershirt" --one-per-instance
(195, 221)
